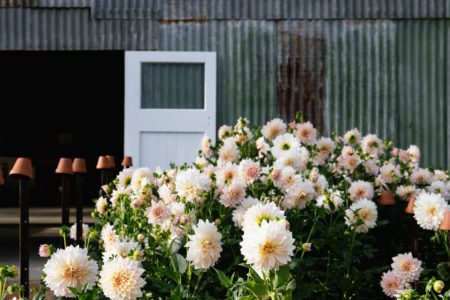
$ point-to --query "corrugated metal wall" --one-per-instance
(378, 65)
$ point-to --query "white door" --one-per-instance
(170, 104)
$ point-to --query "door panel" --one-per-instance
(170, 103)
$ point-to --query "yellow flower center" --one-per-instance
(206, 244)
(432, 211)
(121, 280)
(267, 248)
(72, 272)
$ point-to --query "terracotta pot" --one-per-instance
(64, 166)
(102, 163)
(387, 198)
(127, 162)
(2, 180)
(410, 208)
(111, 161)
(79, 165)
(23, 167)
(445, 224)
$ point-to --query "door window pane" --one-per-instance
(172, 85)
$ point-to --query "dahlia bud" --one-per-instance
(141, 237)
(137, 255)
(438, 286)
(93, 234)
(218, 222)
(45, 250)
(306, 247)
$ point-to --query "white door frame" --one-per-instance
(165, 120)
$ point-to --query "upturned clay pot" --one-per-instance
(387, 198)
(2, 180)
(445, 224)
(102, 163)
(23, 167)
(111, 161)
(410, 208)
(64, 166)
(79, 165)
(127, 162)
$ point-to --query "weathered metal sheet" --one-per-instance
(70, 29)
(382, 66)
(271, 9)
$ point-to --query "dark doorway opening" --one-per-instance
(59, 104)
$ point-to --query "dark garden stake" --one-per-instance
(65, 170)
(103, 166)
(23, 171)
(79, 168)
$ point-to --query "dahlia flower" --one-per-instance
(408, 267)
(239, 212)
(429, 210)
(254, 216)
(306, 133)
(392, 283)
(284, 143)
(273, 129)
(360, 190)
(204, 246)
(364, 211)
(191, 184)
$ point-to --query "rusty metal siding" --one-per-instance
(379, 65)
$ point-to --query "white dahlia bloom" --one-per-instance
(392, 283)
(248, 171)
(273, 129)
(70, 267)
(101, 205)
(284, 143)
(306, 133)
(299, 195)
(333, 197)
(226, 174)
(421, 176)
(372, 145)
(108, 236)
(137, 181)
(158, 213)
(429, 210)
(287, 178)
(191, 184)
(229, 151)
(125, 177)
(439, 187)
(206, 146)
(408, 267)
(120, 279)
(361, 190)
(224, 132)
(239, 212)
(204, 246)
(166, 194)
(405, 191)
(352, 137)
(349, 162)
(254, 216)
(414, 153)
(268, 246)
(122, 249)
(295, 159)
(364, 211)
(232, 195)
(84, 230)
(371, 167)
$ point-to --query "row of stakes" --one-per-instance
(22, 170)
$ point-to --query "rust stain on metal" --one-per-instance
(18, 3)
(301, 75)
(194, 19)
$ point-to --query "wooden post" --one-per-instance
(127, 162)
(79, 168)
(65, 169)
(103, 166)
(23, 171)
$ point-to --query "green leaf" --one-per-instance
(224, 280)
(282, 276)
(180, 263)
(259, 289)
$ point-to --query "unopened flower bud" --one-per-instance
(141, 237)
(45, 250)
(93, 234)
(218, 222)
(137, 255)
(306, 247)
(438, 286)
